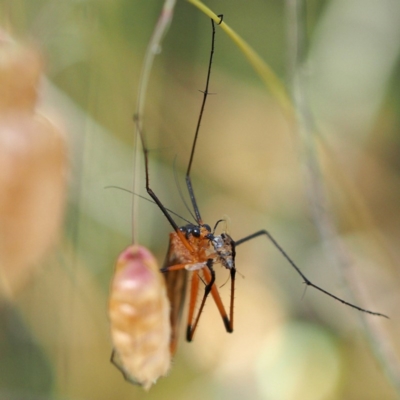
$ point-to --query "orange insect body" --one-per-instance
(144, 327)
(189, 250)
(139, 316)
(195, 249)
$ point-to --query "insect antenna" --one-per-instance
(149, 190)
(145, 198)
(205, 94)
(216, 225)
(306, 280)
(178, 186)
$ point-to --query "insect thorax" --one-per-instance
(222, 246)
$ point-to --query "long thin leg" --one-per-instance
(205, 94)
(194, 290)
(209, 277)
(231, 306)
(306, 280)
(228, 322)
(146, 167)
(152, 194)
(208, 273)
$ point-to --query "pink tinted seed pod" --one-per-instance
(139, 318)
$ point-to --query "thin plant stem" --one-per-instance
(153, 48)
(377, 336)
(268, 76)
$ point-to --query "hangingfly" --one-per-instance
(195, 248)
(145, 310)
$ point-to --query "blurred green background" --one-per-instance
(251, 166)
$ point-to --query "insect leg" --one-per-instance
(209, 276)
(194, 290)
(228, 322)
(196, 135)
(163, 209)
(233, 277)
(146, 167)
(306, 280)
(175, 267)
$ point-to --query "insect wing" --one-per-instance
(176, 282)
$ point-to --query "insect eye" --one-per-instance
(196, 231)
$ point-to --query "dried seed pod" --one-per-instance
(20, 70)
(33, 165)
(33, 160)
(139, 317)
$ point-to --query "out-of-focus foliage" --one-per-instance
(249, 166)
